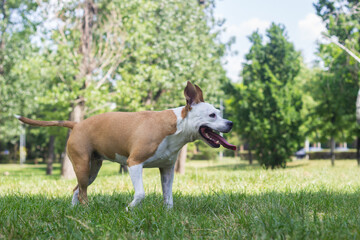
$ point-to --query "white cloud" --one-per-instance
(233, 66)
(241, 31)
(245, 28)
(311, 27)
(253, 24)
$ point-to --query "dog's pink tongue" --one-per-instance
(226, 144)
(223, 142)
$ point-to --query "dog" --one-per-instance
(140, 140)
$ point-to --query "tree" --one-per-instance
(169, 42)
(166, 43)
(341, 77)
(266, 106)
(20, 65)
(333, 95)
(88, 47)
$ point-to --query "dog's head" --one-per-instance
(204, 119)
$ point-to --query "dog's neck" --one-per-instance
(184, 130)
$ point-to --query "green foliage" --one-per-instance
(21, 73)
(201, 151)
(334, 89)
(142, 53)
(305, 81)
(342, 19)
(168, 43)
(214, 200)
(266, 106)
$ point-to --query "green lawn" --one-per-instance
(214, 200)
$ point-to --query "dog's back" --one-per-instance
(125, 133)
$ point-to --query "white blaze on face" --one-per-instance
(205, 120)
(207, 115)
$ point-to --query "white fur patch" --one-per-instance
(167, 151)
(75, 199)
(187, 130)
(136, 178)
(200, 115)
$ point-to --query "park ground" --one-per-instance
(213, 200)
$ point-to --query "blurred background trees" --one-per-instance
(281, 101)
(335, 88)
(98, 56)
(73, 59)
(268, 103)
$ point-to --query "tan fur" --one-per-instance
(134, 135)
(68, 124)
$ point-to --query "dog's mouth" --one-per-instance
(214, 139)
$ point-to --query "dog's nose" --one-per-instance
(230, 124)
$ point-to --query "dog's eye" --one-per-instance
(213, 115)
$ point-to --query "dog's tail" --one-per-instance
(68, 124)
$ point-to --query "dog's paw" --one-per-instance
(75, 200)
(129, 208)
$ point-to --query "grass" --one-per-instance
(213, 200)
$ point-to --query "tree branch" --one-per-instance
(331, 39)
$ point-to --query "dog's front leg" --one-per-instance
(167, 177)
(136, 178)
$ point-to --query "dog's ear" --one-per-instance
(190, 94)
(199, 93)
(193, 95)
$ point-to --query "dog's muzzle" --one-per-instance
(214, 139)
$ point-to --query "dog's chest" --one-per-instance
(165, 155)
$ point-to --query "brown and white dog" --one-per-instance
(140, 139)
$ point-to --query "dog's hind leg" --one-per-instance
(95, 165)
(75, 198)
(137, 180)
(80, 158)
(80, 192)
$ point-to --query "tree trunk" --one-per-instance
(4, 25)
(358, 122)
(332, 143)
(250, 156)
(307, 149)
(180, 162)
(15, 153)
(358, 150)
(85, 72)
(51, 156)
(123, 169)
(86, 66)
(67, 170)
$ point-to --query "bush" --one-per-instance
(201, 151)
(351, 154)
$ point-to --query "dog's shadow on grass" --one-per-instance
(214, 201)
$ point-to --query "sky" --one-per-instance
(243, 17)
